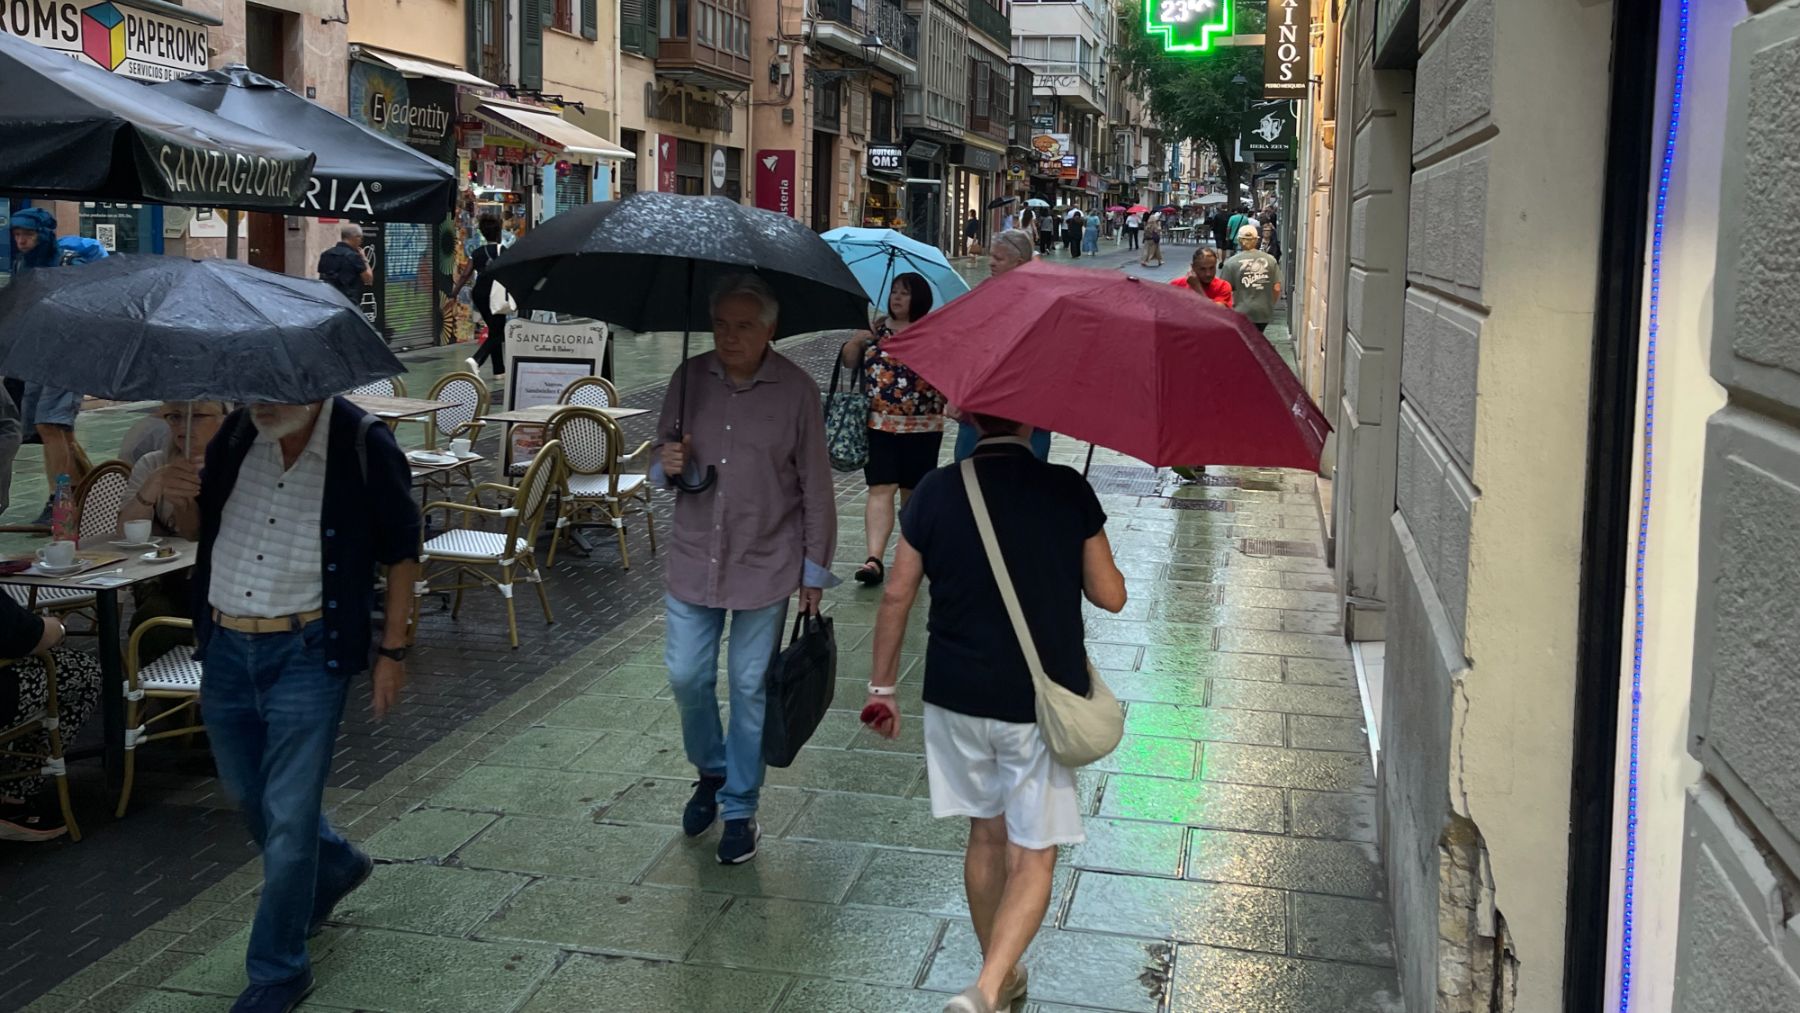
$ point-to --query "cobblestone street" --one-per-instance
(523, 808)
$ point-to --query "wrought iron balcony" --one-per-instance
(851, 26)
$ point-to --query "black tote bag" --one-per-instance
(800, 684)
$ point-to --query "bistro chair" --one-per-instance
(594, 493)
(467, 398)
(590, 392)
(47, 762)
(173, 677)
(389, 387)
(467, 554)
(98, 500)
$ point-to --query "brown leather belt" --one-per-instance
(276, 624)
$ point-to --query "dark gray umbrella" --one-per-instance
(141, 328)
(648, 262)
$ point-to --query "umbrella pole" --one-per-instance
(1090, 461)
(680, 481)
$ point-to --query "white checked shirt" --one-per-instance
(267, 562)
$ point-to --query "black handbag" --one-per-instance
(800, 684)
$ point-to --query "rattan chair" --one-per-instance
(594, 493)
(98, 500)
(467, 554)
(590, 392)
(50, 760)
(393, 386)
(175, 677)
(467, 397)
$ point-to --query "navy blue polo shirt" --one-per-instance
(1043, 515)
(364, 521)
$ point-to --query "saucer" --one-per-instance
(58, 571)
(427, 457)
(152, 557)
(122, 544)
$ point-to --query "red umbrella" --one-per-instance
(1147, 369)
(1137, 209)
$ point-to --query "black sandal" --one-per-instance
(868, 577)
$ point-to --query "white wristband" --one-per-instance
(875, 690)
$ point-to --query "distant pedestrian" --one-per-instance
(1008, 221)
(1075, 230)
(480, 267)
(765, 528)
(1046, 224)
(50, 412)
(906, 418)
(1271, 231)
(1221, 229)
(985, 757)
(298, 506)
(972, 234)
(1153, 231)
(1255, 279)
(1011, 250)
(1090, 242)
(1203, 278)
(1133, 224)
(346, 266)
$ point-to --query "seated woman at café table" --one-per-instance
(28, 808)
(165, 486)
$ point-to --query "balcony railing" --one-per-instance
(885, 19)
(989, 21)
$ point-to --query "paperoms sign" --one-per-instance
(1189, 26)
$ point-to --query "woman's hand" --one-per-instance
(851, 355)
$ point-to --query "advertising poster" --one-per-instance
(775, 189)
(666, 145)
(543, 359)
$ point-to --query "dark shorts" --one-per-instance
(901, 459)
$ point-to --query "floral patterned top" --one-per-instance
(899, 401)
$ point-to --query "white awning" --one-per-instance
(415, 67)
(534, 123)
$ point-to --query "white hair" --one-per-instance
(350, 230)
(1018, 241)
(752, 286)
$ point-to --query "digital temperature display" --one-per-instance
(1188, 26)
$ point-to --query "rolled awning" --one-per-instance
(548, 129)
(412, 66)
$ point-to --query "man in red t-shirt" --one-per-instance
(1203, 277)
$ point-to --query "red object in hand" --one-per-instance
(877, 716)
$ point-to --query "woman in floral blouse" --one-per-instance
(906, 417)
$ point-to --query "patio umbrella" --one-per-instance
(646, 261)
(1177, 379)
(76, 132)
(1036, 203)
(876, 256)
(137, 328)
(1000, 202)
(359, 173)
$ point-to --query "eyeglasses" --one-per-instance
(180, 418)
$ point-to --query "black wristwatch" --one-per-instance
(392, 653)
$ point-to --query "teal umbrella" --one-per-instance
(877, 256)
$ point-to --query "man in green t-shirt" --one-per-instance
(1255, 279)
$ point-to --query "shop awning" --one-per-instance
(415, 67)
(359, 173)
(534, 123)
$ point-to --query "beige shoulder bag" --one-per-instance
(1078, 729)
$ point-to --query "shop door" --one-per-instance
(267, 237)
(824, 161)
(925, 210)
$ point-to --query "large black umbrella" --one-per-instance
(74, 131)
(647, 262)
(138, 328)
(359, 173)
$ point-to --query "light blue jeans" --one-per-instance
(693, 635)
(272, 712)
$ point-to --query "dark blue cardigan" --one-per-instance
(362, 522)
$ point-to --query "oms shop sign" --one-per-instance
(113, 37)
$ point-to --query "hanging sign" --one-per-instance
(114, 37)
(775, 174)
(1269, 132)
(1287, 49)
(1189, 26)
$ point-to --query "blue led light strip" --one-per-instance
(1643, 536)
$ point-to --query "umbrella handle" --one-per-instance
(681, 483)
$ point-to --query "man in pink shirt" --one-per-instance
(767, 527)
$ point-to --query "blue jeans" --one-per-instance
(967, 437)
(693, 658)
(272, 712)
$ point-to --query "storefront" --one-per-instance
(884, 182)
(923, 203)
(977, 169)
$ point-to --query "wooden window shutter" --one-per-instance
(472, 30)
(532, 15)
(631, 24)
(590, 19)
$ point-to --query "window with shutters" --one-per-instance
(690, 168)
(632, 141)
(881, 118)
(827, 105)
(590, 19)
(859, 112)
(532, 17)
(734, 174)
(564, 18)
(638, 31)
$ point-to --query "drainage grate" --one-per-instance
(1124, 480)
(1270, 547)
(1215, 505)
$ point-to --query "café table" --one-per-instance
(105, 582)
(395, 408)
(540, 414)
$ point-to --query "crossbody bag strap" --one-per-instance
(996, 562)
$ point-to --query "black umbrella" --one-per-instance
(359, 173)
(1000, 202)
(139, 328)
(646, 261)
(78, 132)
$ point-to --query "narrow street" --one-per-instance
(523, 807)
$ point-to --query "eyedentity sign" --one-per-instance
(1189, 26)
(114, 37)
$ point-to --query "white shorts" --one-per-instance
(983, 768)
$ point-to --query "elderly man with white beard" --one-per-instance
(298, 506)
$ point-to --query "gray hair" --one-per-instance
(1019, 242)
(350, 230)
(746, 284)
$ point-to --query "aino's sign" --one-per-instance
(887, 158)
(775, 180)
(1287, 49)
(1188, 26)
(113, 37)
(1269, 132)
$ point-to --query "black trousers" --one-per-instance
(1131, 236)
(494, 345)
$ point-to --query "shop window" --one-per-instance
(632, 141)
(690, 168)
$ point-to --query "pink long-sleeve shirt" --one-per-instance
(769, 524)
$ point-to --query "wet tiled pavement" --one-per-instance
(530, 858)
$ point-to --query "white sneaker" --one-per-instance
(474, 367)
(970, 1001)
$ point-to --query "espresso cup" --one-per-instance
(460, 446)
(137, 532)
(57, 554)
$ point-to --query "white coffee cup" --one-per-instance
(57, 554)
(460, 446)
(137, 532)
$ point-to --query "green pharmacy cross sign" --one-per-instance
(1188, 26)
